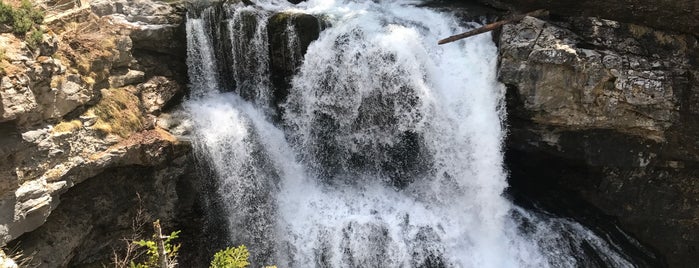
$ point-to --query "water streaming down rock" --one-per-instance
(201, 62)
(388, 153)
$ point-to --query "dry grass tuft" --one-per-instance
(88, 46)
(118, 112)
(660, 36)
(66, 127)
(638, 31)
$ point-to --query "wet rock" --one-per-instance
(177, 123)
(290, 34)
(564, 82)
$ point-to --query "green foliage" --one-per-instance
(6, 13)
(34, 38)
(21, 19)
(171, 250)
(21, 23)
(231, 258)
(34, 14)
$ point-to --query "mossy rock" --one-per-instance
(118, 112)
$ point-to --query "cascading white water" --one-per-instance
(390, 154)
(201, 63)
(247, 29)
(376, 75)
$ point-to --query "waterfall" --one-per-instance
(387, 151)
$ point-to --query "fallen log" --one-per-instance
(492, 26)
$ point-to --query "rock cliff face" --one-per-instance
(602, 109)
(614, 105)
(85, 104)
(668, 15)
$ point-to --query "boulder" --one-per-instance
(126, 77)
(157, 92)
(16, 99)
(154, 25)
(140, 11)
(160, 39)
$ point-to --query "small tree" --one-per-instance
(231, 258)
(152, 252)
(143, 253)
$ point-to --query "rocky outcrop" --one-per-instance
(614, 104)
(678, 15)
(609, 76)
(84, 102)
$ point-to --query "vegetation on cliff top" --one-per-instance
(118, 112)
(24, 20)
(21, 19)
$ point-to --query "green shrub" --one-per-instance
(34, 38)
(6, 13)
(34, 14)
(21, 23)
(21, 19)
(231, 258)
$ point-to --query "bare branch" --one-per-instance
(492, 26)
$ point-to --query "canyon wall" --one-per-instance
(603, 109)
